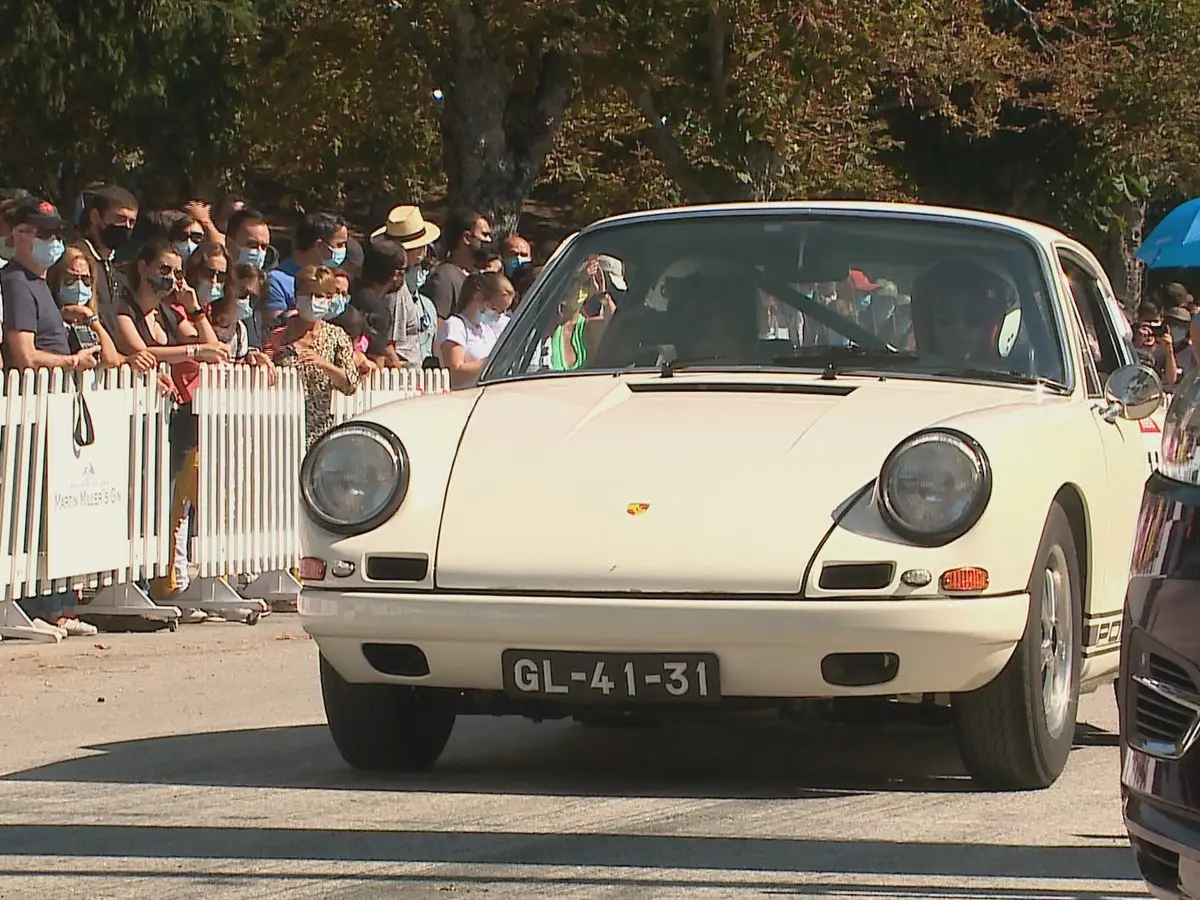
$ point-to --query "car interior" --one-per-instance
(698, 286)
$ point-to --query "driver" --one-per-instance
(958, 308)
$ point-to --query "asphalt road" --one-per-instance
(196, 765)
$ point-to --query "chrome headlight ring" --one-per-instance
(354, 478)
(934, 486)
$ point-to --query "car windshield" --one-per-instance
(775, 291)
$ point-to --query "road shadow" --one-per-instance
(744, 855)
(765, 759)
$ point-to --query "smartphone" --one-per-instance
(1159, 329)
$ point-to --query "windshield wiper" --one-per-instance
(1006, 376)
(839, 359)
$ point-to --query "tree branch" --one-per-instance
(718, 31)
(668, 150)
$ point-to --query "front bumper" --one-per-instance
(766, 648)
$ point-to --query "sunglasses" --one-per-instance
(971, 317)
(72, 278)
(177, 274)
(212, 274)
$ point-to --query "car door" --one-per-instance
(1106, 349)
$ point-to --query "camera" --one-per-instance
(81, 337)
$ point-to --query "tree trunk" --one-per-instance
(495, 133)
(1125, 272)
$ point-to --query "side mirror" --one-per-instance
(1134, 392)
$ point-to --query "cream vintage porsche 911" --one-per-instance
(748, 456)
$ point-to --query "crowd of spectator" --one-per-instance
(1166, 329)
(205, 284)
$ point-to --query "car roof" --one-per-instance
(1040, 233)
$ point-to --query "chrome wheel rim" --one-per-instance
(1057, 645)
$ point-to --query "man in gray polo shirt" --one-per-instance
(35, 336)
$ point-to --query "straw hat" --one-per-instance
(407, 227)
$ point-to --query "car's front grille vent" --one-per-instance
(1161, 669)
(856, 576)
(1160, 720)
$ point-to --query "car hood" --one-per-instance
(699, 483)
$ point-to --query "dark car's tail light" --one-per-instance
(1166, 707)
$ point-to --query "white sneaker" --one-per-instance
(76, 628)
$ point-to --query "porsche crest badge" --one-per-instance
(636, 509)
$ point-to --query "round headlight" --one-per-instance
(934, 487)
(1181, 432)
(354, 478)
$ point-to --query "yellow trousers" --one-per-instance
(187, 488)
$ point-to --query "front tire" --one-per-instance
(385, 727)
(1016, 732)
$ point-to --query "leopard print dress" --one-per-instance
(331, 343)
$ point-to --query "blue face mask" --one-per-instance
(75, 293)
(336, 257)
(244, 309)
(256, 258)
(338, 306)
(313, 309)
(414, 278)
(513, 263)
(488, 317)
(212, 291)
(185, 249)
(7, 250)
(47, 251)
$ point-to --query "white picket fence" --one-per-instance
(251, 442)
(387, 385)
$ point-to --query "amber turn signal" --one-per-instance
(970, 580)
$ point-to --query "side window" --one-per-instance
(1102, 346)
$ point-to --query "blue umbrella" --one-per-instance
(1175, 243)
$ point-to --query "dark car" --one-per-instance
(1159, 687)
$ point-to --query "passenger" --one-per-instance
(958, 308)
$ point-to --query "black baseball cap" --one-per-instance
(41, 214)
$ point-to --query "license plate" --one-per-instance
(612, 677)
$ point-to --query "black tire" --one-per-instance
(1002, 728)
(384, 727)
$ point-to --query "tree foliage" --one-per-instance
(1075, 112)
(91, 90)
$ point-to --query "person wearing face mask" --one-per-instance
(109, 216)
(185, 235)
(248, 240)
(467, 337)
(1178, 321)
(208, 272)
(160, 313)
(320, 240)
(72, 280)
(413, 317)
(248, 288)
(35, 335)
(467, 233)
(515, 252)
(320, 350)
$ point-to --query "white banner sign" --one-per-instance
(87, 488)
